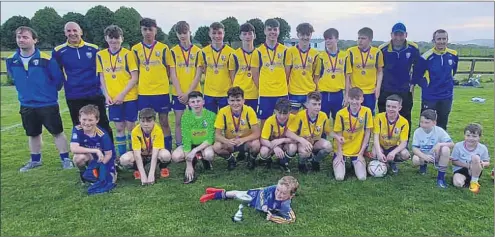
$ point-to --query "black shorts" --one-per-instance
(34, 118)
(465, 172)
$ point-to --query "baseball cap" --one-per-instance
(399, 27)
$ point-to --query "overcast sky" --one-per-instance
(463, 20)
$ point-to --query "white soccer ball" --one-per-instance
(377, 168)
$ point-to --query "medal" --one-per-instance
(112, 66)
(305, 60)
(333, 76)
(238, 124)
(248, 65)
(215, 61)
(148, 57)
(311, 132)
(352, 128)
(390, 133)
(333, 66)
(285, 128)
(270, 57)
(364, 62)
(186, 59)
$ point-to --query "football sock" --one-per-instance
(36, 157)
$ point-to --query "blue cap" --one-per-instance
(399, 27)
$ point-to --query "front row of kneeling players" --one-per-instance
(308, 133)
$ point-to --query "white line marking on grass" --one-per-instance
(20, 124)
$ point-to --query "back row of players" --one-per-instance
(262, 78)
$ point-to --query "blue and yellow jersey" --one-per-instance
(398, 64)
(236, 126)
(272, 129)
(241, 62)
(281, 210)
(391, 133)
(271, 64)
(363, 67)
(303, 68)
(146, 142)
(152, 62)
(353, 128)
(217, 79)
(435, 72)
(310, 130)
(116, 69)
(332, 70)
(185, 66)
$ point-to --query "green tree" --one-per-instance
(128, 19)
(202, 36)
(284, 30)
(97, 19)
(8, 31)
(231, 29)
(161, 36)
(172, 37)
(259, 27)
(48, 24)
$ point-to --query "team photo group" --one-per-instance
(270, 105)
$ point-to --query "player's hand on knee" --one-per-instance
(279, 153)
(430, 158)
(382, 157)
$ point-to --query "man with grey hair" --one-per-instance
(77, 59)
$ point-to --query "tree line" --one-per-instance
(49, 25)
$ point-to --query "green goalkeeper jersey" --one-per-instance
(196, 130)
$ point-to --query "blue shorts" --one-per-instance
(253, 103)
(370, 102)
(214, 104)
(176, 104)
(297, 101)
(266, 106)
(332, 102)
(160, 103)
(127, 111)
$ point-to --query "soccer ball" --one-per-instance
(377, 168)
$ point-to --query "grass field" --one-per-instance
(49, 201)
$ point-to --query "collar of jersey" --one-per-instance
(302, 51)
(274, 47)
(182, 47)
(391, 48)
(216, 50)
(439, 52)
(76, 45)
(148, 46)
(247, 51)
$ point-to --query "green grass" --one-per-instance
(49, 201)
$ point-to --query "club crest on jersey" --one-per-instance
(119, 59)
(318, 129)
(192, 56)
(36, 62)
(108, 70)
(328, 70)
(408, 55)
(205, 124)
(371, 57)
(310, 59)
(74, 136)
(396, 130)
(360, 120)
(157, 53)
(267, 65)
(223, 57)
(450, 62)
(358, 66)
(341, 61)
(279, 55)
(243, 122)
(89, 55)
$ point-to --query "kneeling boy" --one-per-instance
(236, 129)
(273, 136)
(148, 148)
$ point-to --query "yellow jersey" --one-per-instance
(310, 130)
(332, 70)
(152, 63)
(353, 128)
(271, 64)
(363, 67)
(184, 61)
(303, 68)
(116, 69)
(147, 142)
(233, 126)
(241, 61)
(272, 129)
(391, 133)
(217, 79)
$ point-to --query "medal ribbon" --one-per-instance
(186, 60)
(245, 59)
(334, 66)
(148, 57)
(353, 127)
(215, 61)
(389, 132)
(311, 132)
(274, 52)
(362, 59)
(285, 128)
(303, 62)
(113, 67)
(238, 124)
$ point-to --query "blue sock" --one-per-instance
(168, 143)
(219, 195)
(36, 157)
(129, 141)
(121, 145)
(422, 168)
(64, 156)
(441, 175)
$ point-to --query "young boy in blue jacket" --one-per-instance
(274, 200)
(37, 78)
